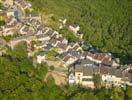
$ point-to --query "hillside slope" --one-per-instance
(107, 24)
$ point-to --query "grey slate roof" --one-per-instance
(62, 46)
(50, 32)
(74, 25)
(53, 41)
(49, 46)
(42, 53)
(110, 71)
(78, 68)
(107, 62)
(63, 55)
(66, 58)
(86, 62)
(88, 71)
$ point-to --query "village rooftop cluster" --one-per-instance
(46, 45)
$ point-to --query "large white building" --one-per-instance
(84, 76)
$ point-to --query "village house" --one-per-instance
(41, 28)
(11, 26)
(76, 47)
(7, 3)
(11, 21)
(44, 30)
(71, 79)
(111, 76)
(48, 47)
(68, 60)
(41, 57)
(40, 45)
(128, 77)
(57, 36)
(22, 3)
(10, 13)
(62, 56)
(127, 74)
(84, 75)
(42, 37)
(26, 30)
(84, 55)
(68, 49)
(50, 33)
(62, 21)
(54, 42)
(91, 56)
(9, 30)
(75, 28)
(35, 16)
(101, 58)
(61, 47)
(80, 35)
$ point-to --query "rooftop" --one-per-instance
(86, 70)
(110, 71)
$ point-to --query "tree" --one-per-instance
(18, 79)
(52, 68)
(84, 96)
(117, 94)
(51, 55)
(20, 50)
(97, 80)
(129, 92)
(103, 94)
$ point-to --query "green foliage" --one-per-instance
(84, 96)
(117, 94)
(20, 50)
(53, 92)
(52, 68)
(27, 12)
(97, 80)
(51, 55)
(105, 24)
(2, 7)
(18, 79)
(69, 35)
(85, 48)
(32, 43)
(129, 92)
(2, 22)
(10, 37)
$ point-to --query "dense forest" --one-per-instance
(106, 24)
(20, 80)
